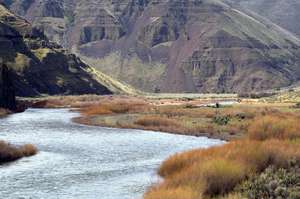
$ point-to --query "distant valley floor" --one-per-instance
(223, 117)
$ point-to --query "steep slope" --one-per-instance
(282, 12)
(38, 66)
(175, 46)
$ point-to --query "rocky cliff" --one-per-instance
(39, 66)
(172, 46)
(7, 91)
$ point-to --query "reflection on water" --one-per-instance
(77, 161)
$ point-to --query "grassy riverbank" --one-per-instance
(264, 164)
(9, 153)
(187, 115)
(179, 117)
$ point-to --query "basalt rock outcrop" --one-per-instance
(41, 67)
(173, 46)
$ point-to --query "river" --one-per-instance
(84, 162)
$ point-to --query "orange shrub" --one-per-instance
(220, 176)
(211, 177)
(177, 162)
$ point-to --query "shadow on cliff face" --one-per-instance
(7, 91)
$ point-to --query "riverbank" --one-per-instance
(227, 122)
(185, 116)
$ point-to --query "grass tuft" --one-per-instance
(10, 153)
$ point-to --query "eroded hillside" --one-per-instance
(171, 46)
(282, 12)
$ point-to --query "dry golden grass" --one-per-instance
(177, 193)
(218, 170)
(269, 126)
(79, 101)
(113, 108)
(212, 177)
(10, 153)
(207, 112)
(155, 121)
(172, 125)
(180, 119)
(273, 141)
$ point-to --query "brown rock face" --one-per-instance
(179, 45)
(38, 66)
(7, 91)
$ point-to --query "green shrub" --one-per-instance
(221, 120)
(273, 183)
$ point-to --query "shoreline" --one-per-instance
(77, 120)
(198, 117)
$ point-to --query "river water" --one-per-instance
(84, 162)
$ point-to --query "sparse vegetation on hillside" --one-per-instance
(286, 96)
(10, 152)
